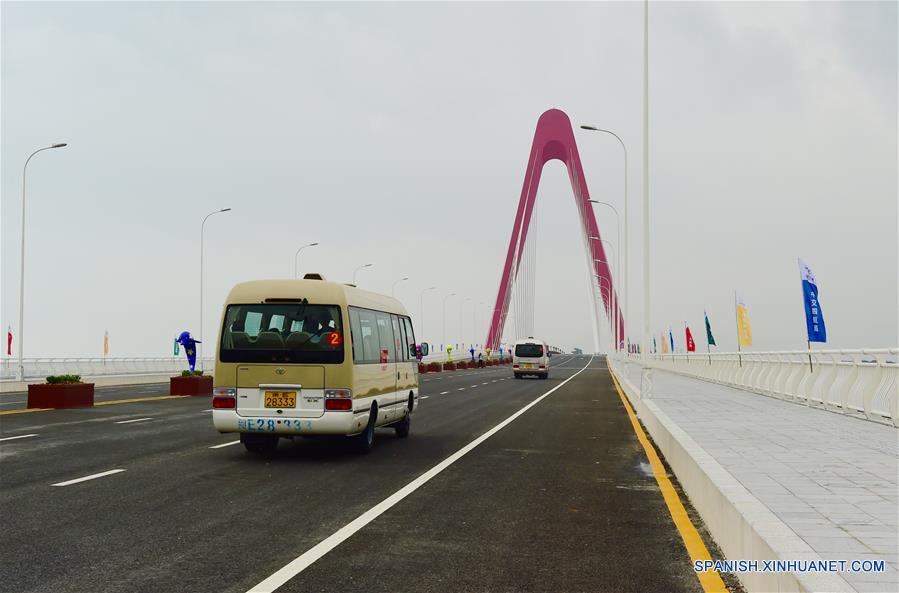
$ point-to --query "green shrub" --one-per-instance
(63, 379)
(191, 373)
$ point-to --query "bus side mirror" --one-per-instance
(424, 349)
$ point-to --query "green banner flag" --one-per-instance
(708, 330)
(177, 348)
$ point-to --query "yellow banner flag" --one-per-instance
(744, 328)
(105, 343)
(664, 343)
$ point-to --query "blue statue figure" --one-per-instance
(190, 348)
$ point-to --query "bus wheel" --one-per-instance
(365, 440)
(259, 444)
(403, 426)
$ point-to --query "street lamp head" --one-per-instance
(591, 128)
(367, 265)
(225, 210)
(58, 145)
(312, 244)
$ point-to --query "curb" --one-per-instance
(743, 527)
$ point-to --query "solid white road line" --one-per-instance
(224, 445)
(21, 436)
(130, 421)
(90, 477)
(306, 559)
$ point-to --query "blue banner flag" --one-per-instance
(671, 337)
(814, 318)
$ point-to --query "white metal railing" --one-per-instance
(859, 382)
(38, 368)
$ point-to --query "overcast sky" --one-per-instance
(398, 134)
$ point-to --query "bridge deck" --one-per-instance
(560, 499)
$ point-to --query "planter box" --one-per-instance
(422, 369)
(196, 385)
(449, 366)
(434, 367)
(75, 395)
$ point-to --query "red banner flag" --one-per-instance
(691, 345)
(9, 341)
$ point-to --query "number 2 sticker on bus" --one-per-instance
(335, 339)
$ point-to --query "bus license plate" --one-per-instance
(280, 399)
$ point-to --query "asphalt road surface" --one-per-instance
(559, 499)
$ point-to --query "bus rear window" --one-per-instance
(528, 350)
(290, 332)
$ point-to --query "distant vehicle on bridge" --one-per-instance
(530, 356)
(577, 351)
(312, 357)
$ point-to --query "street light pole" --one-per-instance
(603, 290)
(646, 385)
(611, 296)
(360, 268)
(296, 258)
(22, 263)
(461, 328)
(421, 303)
(393, 287)
(625, 255)
(202, 229)
(444, 317)
(617, 259)
(615, 304)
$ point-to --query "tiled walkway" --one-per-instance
(829, 478)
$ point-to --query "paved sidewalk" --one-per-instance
(832, 480)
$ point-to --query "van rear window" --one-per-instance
(294, 332)
(529, 350)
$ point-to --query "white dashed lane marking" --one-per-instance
(224, 445)
(444, 392)
(21, 436)
(90, 477)
(130, 421)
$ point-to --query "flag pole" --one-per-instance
(737, 318)
(811, 369)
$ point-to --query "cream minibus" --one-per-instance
(312, 357)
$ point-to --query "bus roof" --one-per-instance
(314, 291)
(529, 340)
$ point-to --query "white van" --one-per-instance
(530, 357)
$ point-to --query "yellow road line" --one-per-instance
(25, 411)
(138, 399)
(103, 403)
(711, 582)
